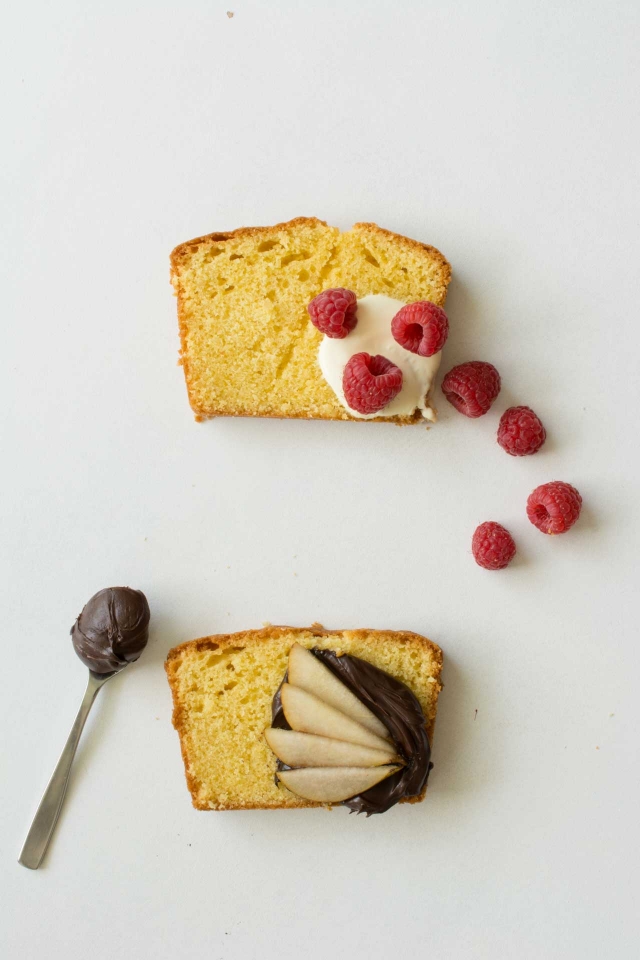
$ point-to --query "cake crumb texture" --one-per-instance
(247, 345)
(223, 687)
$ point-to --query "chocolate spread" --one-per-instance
(112, 629)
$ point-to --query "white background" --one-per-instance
(505, 134)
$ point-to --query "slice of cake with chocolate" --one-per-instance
(303, 320)
(291, 717)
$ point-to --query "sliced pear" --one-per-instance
(309, 673)
(307, 714)
(307, 750)
(332, 784)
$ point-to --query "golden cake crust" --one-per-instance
(206, 404)
(418, 655)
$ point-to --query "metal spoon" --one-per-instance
(41, 830)
(111, 632)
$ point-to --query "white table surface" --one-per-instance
(505, 134)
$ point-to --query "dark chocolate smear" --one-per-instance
(400, 711)
(112, 629)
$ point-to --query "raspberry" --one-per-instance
(421, 328)
(493, 546)
(370, 383)
(554, 507)
(520, 431)
(333, 312)
(472, 387)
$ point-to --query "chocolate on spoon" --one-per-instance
(112, 629)
(111, 632)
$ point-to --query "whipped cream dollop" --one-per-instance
(373, 335)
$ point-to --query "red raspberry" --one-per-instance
(472, 387)
(493, 546)
(554, 507)
(421, 328)
(370, 383)
(333, 312)
(520, 431)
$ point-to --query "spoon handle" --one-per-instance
(41, 830)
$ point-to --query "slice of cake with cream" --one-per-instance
(248, 343)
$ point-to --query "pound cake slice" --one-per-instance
(313, 707)
(248, 347)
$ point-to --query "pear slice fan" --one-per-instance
(337, 746)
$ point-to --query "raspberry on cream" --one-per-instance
(421, 327)
(333, 312)
(373, 335)
(370, 383)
